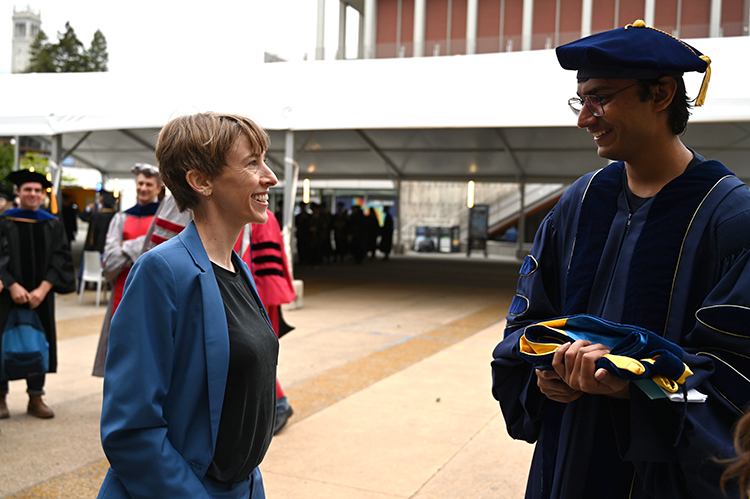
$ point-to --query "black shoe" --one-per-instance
(283, 413)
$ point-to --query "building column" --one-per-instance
(649, 13)
(472, 10)
(714, 23)
(370, 29)
(420, 12)
(321, 29)
(586, 14)
(527, 24)
(341, 51)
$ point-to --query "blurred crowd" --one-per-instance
(347, 235)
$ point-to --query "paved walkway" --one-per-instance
(387, 371)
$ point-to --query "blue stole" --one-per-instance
(28, 215)
(145, 210)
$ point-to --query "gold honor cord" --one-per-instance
(704, 85)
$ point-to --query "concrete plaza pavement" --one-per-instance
(387, 372)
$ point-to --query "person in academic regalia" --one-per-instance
(124, 242)
(386, 233)
(99, 223)
(35, 263)
(6, 200)
(660, 239)
(127, 230)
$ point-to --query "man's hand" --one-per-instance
(554, 388)
(575, 363)
(18, 293)
(37, 296)
(1, 286)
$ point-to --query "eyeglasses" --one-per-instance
(593, 102)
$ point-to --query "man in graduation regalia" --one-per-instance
(659, 239)
(123, 244)
(127, 230)
(35, 263)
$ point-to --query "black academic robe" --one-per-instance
(34, 248)
(97, 233)
(679, 267)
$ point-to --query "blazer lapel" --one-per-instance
(215, 335)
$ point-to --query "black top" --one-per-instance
(247, 416)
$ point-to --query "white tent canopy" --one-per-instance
(489, 117)
(492, 117)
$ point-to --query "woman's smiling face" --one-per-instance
(241, 189)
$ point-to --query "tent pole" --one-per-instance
(17, 153)
(291, 172)
(521, 219)
(398, 216)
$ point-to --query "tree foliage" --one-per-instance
(98, 56)
(42, 58)
(6, 164)
(68, 54)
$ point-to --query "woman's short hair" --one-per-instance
(201, 142)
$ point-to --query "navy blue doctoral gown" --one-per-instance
(678, 266)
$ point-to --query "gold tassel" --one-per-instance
(53, 201)
(704, 86)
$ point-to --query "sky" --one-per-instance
(161, 35)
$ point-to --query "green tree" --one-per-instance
(71, 55)
(42, 55)
(97, 53)
(35, 161)
(6, 164)
(68, 55)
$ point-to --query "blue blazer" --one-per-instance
(166, 372)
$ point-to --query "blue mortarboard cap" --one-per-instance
(635, 51)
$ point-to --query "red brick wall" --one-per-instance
(543, 25)
(631, 10)
(695, 18)
(665, 15)
(436, 20)
(488, 26)
(603, 16)
(732, 17)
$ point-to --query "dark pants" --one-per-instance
(34, 386)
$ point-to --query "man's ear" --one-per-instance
(197, 181)
(664, 92)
